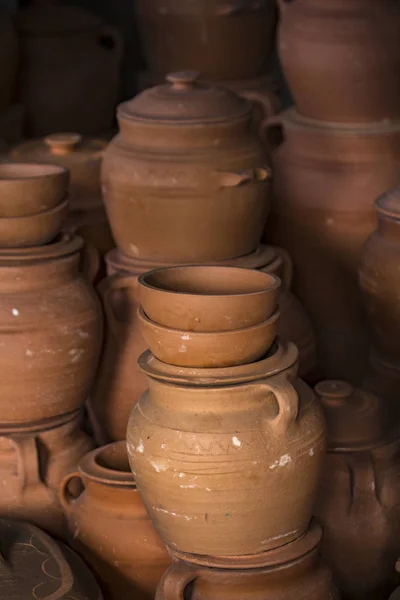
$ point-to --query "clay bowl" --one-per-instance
(30, 188)
(208, 349)
(32, 230)
(208, 299)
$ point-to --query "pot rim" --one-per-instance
(90, 467)
(388, 204)
(64, 245)
(31, 171)
(60, 207)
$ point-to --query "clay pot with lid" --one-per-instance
(69, 79)
(222, 40)
(201, 186)
(233, 469)
(110, 528)
(50, 332)
(326, 180)
(327, 46)
(358, 502)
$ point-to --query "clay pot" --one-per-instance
(120, 382)
(33, 462)
(32, 565)
(294, 571)
(326, 180)
(208, 298)
(358, 502)
(69, 80)
(233, 469)
(192, 200)
(50, 332)
(110, 527)
(9, 60)
(222, 40)
(341, 58)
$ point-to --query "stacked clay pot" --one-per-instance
(227, 443)
(359, 498)
(50, 336)
(335, 152)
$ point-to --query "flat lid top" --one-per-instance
(184, 100)
(56, 19)
(63, 147)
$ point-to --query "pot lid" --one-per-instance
(61, 148)
(356, 418)
(184, 100)
(56, 19)
(388, 204)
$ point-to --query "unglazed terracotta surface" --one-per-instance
(228, 460)
(110, 528)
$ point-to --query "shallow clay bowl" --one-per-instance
(30, 188)
(208, 349)
(208, 298)
(32, 230)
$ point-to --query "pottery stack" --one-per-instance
(334, 153)
(186, 181)
(227, 443)
(50, 336)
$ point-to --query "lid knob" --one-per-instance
(333, 391)
(183, 80)
(63, 143)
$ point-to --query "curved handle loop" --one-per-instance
(90, 261)
(176, 579)
(64, 495)
(363, 477)
(287, 274)
(106, 289)
(107, 31)
(275, 121)
(27, 452)
(268, 103)
(288, 401)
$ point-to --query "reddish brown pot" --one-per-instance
(9, 60)
(33, 462)
(294, 571)
(69, 79)
(221, 40)
(201, 186)
(341, 58)
(120, 382)
(50, 332)
(110, 528)
(359, 499)
(326, 180)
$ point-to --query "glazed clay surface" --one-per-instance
(341, 58)
(218, 454)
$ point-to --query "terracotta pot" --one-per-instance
(192, 200)
(326, 180)
(341, 58)
(50, 332)
(294, 571)
(233, 469)
(358, 503)
(69, 80)
(222, 40)
(32, 565)
(120, 382)
(33, 462)
(9, 59)
(110, 527)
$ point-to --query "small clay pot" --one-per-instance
(110, 528)
(186, 348)
(28, 188)
(208, 298)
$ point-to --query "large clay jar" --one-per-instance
(9, 60)
(33, 565)
(50, 332)
(341, 58)
(326, 180)
(359, 499)
(110, 528)
(186, 179)
(227, 460)
(292, 571)
(33, 462)
(221, 40)
(70, 63)
(120, 382)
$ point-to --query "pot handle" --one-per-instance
(175, 581)
(90, 261)
(111, 33)
(288, 402)
(287, 274)
(28, 461)
(66, 498)
(363, 477)
(237, 7)
(106, 290)
(236, 178)
(265, 100)
(272, 122)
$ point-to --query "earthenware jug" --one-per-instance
(324, 219)
(33, 462)
(234, 467)
(33, 565)
(50, 332)
(221, 40)
(9, 60)
(70, 63)
(196, 196)
(358, 502)
(326, 46)
(110, 528)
